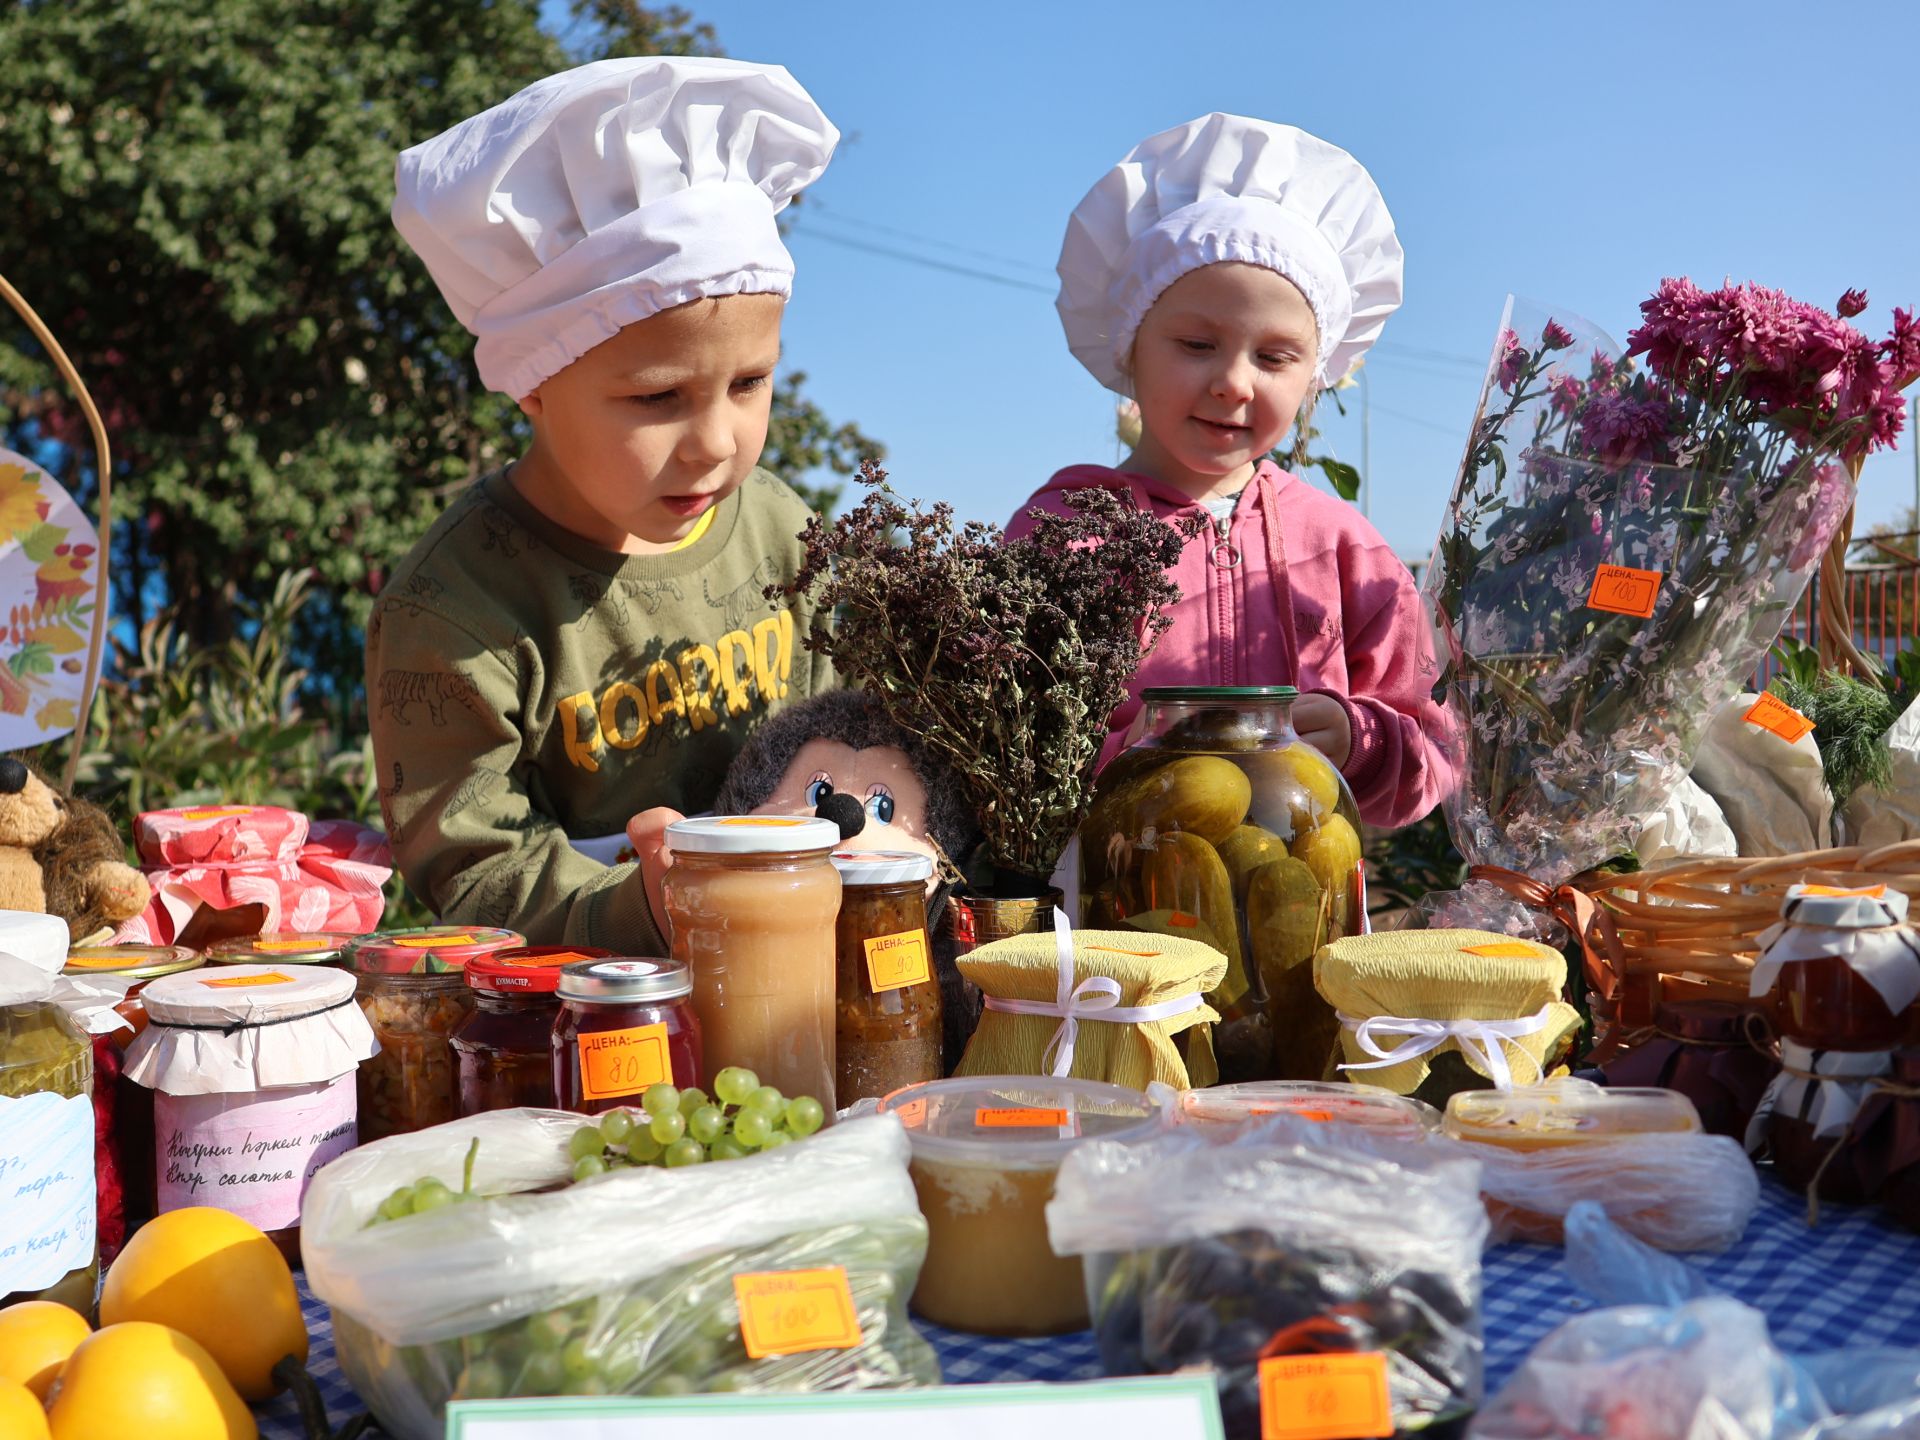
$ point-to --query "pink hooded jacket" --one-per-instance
(1299, 590)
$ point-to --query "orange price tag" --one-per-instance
(1325, 1397)
(1016, 1119)
(219, 814)
(1772, 713)
(623, 1062)
(913, 1114)
(1180, 920)
(237, 982)
(894, 961)
(1502, 950)
(1110, 950)
(788, 1312)
(770, 822)
(1624, 590)
(1873, 892)
(1319, 1117)
(433, 942)
(286, 947)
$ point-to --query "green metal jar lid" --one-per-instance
(1215, 694)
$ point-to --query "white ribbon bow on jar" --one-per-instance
(1485, 1040)
(1095, 998)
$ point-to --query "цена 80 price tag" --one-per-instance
(787, 1312)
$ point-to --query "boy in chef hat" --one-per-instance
(584, 637)
(1223, 274)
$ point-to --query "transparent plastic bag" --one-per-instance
(620, 1286)
(1281, 1237)
(1616, 1269)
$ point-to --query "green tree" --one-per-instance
(197, 202)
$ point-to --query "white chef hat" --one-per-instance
(1224, 187)
(602, 195)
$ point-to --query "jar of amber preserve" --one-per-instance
(1842, 969)
(503, 1050)
(751, 901)
(623, 1025)
(888, 1012)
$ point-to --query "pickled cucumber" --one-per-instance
(1180, 924)
(1201, 795)
(1245, 851)
(1183, 872)
(1298, 788)
(1288, 918)
(1331, 852)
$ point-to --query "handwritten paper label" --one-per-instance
(787, 1312)
(255, 1157)
(1325, 1397)
(46, 1189)
(241, 982)
(1772, 713)
(1623, 590)
(623, 1062)
(894, 961)
(433, 942)
(1502, 950)
(1019, 1119)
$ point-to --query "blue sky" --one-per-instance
(1570, 153)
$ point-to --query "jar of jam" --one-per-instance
(318, 947)
(123, 1111)
(624, 1025)
(1710, 1046)
(503, 1050)
(252, 1073)
(751, 902)
(413, 989)
(1900, 1196)
(888, 1014)
(1806, 1121)
(1841, 970)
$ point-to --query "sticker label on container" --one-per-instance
(1622, 590)
(623, 1062)
(223, 813)
(251, 1154)
(1180, 920)
(288, 947)
(894, 961)
(1111, 950)
(1833, 892)
(1502, 950)
(762, 821)
(1325, 1397)
(1772, 713)
(239, 982)
(913, 1114)
(429, 942)
(788, 1312)
(1319, 1117)
(46, 1189)
(1020, 1119)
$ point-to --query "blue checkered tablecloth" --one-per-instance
(1854, 1281)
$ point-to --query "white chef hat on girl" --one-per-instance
(1224, 187)
(603, 195)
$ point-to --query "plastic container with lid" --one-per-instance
(1708, 1043)
(503, 1050)
(752, 901)
(46, 1124)
(318, 947)
(413, 989)
(1842, 969)
(624, 1025)
(252, 1073)
(1566, 1112)
(985, 1153)
(889, 1013)
(1324, 1102)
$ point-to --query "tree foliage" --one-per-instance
(198, 205)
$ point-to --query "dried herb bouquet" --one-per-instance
(1005, 657)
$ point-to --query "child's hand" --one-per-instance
(1322, 723)
(647, 833)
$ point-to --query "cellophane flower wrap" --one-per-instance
(1628, 532)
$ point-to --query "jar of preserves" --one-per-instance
(1900, 1196)
(1706, 1045)
(751, 903)
(47, 1247)
(318, 947)
(623, 1026)
(252, 1072)
(889, 1018)
(1221, 825)
(1806, 1121)
(1841, 971)
(123, 1111)
(414, 992)
(503, 1050)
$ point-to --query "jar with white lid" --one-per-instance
(890, 1028)
(252, 1071)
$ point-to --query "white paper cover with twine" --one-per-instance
(1866, 929)
(257, 1028)
(1845, 1080)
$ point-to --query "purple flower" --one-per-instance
(1603, 368)
(1900, 351)
(1564, 392)
(1851, 304)
(1512, 360)
(1616, 428)
(1556, 336)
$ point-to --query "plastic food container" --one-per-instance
(503, 1050)
(889, 1012)
(986, 1150)
(751, 901)
(623, 1026)
(414, 992)
(319, 947)
(1316, 1100)
(1566, 1112)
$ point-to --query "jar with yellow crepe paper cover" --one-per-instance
(1221, 825)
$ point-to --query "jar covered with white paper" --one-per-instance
(252, 1071)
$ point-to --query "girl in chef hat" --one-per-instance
(1223, 274)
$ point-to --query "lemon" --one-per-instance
(139, 1381)
(21, 1417)
(36, 1337)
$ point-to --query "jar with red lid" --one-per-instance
(412, 986)
(623, 1026)
(1841, 971)
(503, 1050)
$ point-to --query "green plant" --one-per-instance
(1404, 864)
(1850, 716)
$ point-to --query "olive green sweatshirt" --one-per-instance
(528, 689)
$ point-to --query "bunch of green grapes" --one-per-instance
(429, 1194)
(685, 1127)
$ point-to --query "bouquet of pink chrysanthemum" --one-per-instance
(1626, 537)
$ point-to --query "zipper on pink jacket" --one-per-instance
(1220, 578)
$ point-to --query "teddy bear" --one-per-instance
(61, 855)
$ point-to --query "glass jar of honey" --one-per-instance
(888, 1029)
(1841, 971)
(752, 902)
(624, 1025)
(503, 1050)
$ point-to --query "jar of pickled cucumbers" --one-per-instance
(1221, 825)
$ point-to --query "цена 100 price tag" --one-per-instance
(787, 1312)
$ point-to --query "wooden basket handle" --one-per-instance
(1836, 649)
(104, 468)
